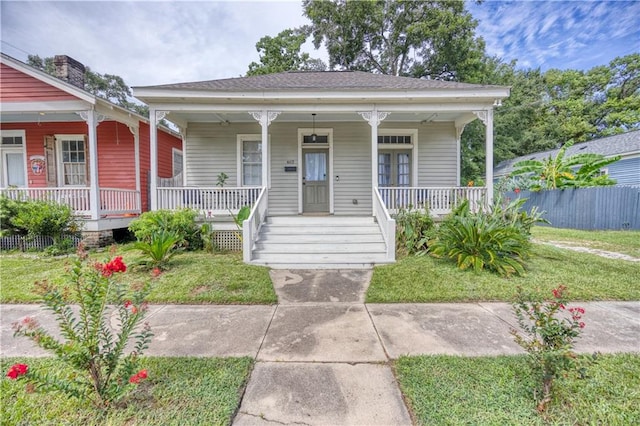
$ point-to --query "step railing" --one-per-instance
(386, 223)
(251, 226)
(208, 200)
(439, 200)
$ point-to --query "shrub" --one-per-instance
(181, 223)
(160, 249)
(95, 366)
(413, 230)
(497, 240)
(549, 339)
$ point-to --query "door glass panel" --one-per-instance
(315, 166)
(384, 169)
(15, 170)
(403, 169)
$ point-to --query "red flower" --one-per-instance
(156, 272)
(140, 375)
(17, 370)
(517, 190)
(558, 293)
(127, 303)
(581, 325)
(117, 265)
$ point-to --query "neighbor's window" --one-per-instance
(12, 164)
(177, 162)
(73, 160)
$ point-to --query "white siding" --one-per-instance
(211, 149)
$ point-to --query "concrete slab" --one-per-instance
(325, 332)
(212, 331)
(322, 394)
(446, 328)
(610, 327)
(331, 285)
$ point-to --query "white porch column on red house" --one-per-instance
(374, 118)
(486, 117)
(265, 118)
(154, 118)
(94, 191)
(135, 131)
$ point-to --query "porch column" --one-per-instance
(136, 153)
(374, 118)
(154, 118)
(94, 191)
(486, 116)
(265, 118)
(459, 130)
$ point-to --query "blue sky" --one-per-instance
(163, 42)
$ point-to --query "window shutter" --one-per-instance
(50, 158)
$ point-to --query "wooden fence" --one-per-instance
(599, 208)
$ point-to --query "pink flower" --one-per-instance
(581, 325)
(517, 190)
(156, 272)
(17, 370)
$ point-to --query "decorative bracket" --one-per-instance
(459, 130)
(99, 118)
(374, 118)
(264, 117)
(132, 129)
(482, 115)
(160, 115)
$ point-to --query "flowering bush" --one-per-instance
(99, 369)
(550, 331)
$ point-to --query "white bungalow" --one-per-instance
(324, 159)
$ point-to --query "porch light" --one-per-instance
(314, 137)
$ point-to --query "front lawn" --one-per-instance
(423, 279)
(449, 390)
(178, 391)
(193, 277)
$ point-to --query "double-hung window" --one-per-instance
(13, 170)
(72, 159)
(250, 160)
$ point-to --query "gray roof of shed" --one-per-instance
(319, 80)
(621, 144)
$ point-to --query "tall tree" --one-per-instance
(283, 53)
(433, 39)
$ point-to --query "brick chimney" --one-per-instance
(69, 70)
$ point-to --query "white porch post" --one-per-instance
(154, 118)
(265, 118)
(459, 130)
(136, 153)
(374, 118)
(486, 116)
(94, 191)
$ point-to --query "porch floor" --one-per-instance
(319, 242)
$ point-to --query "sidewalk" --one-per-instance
(323, 355)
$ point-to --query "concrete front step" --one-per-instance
(320, 242)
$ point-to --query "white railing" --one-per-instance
(119, 201)
(112, 201)
(76, 198)
(386, 223)
(251, 226)
(208, 200)
(439, 201)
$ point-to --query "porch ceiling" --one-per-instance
(230, 117)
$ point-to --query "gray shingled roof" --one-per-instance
(314, 80)
(621, 144)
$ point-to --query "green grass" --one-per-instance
(626, 242)
(192, 278)
(449, 390)
(179, 391)
(424, 279)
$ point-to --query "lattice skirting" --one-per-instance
(40, 242)
(227, 240)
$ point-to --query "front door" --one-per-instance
(315, 186)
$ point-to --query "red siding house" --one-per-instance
(60, 142)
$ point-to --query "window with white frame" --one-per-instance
(397, 157)
(250, 160)
(13, 171)
(177, 162)
(72, 158)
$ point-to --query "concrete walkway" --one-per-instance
(323, 355)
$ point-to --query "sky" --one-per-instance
(149, 43)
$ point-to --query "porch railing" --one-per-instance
(251, 226)
(208, 200)
(439, 200)
(112, 201)
(386, 223)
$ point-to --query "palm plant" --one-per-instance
(159, 249)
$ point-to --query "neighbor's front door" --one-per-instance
(315, 186)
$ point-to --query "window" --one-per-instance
(250, 160)
(177, 162)
(13, 171)
(394, 139)
(72, 160)
(397, 157)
